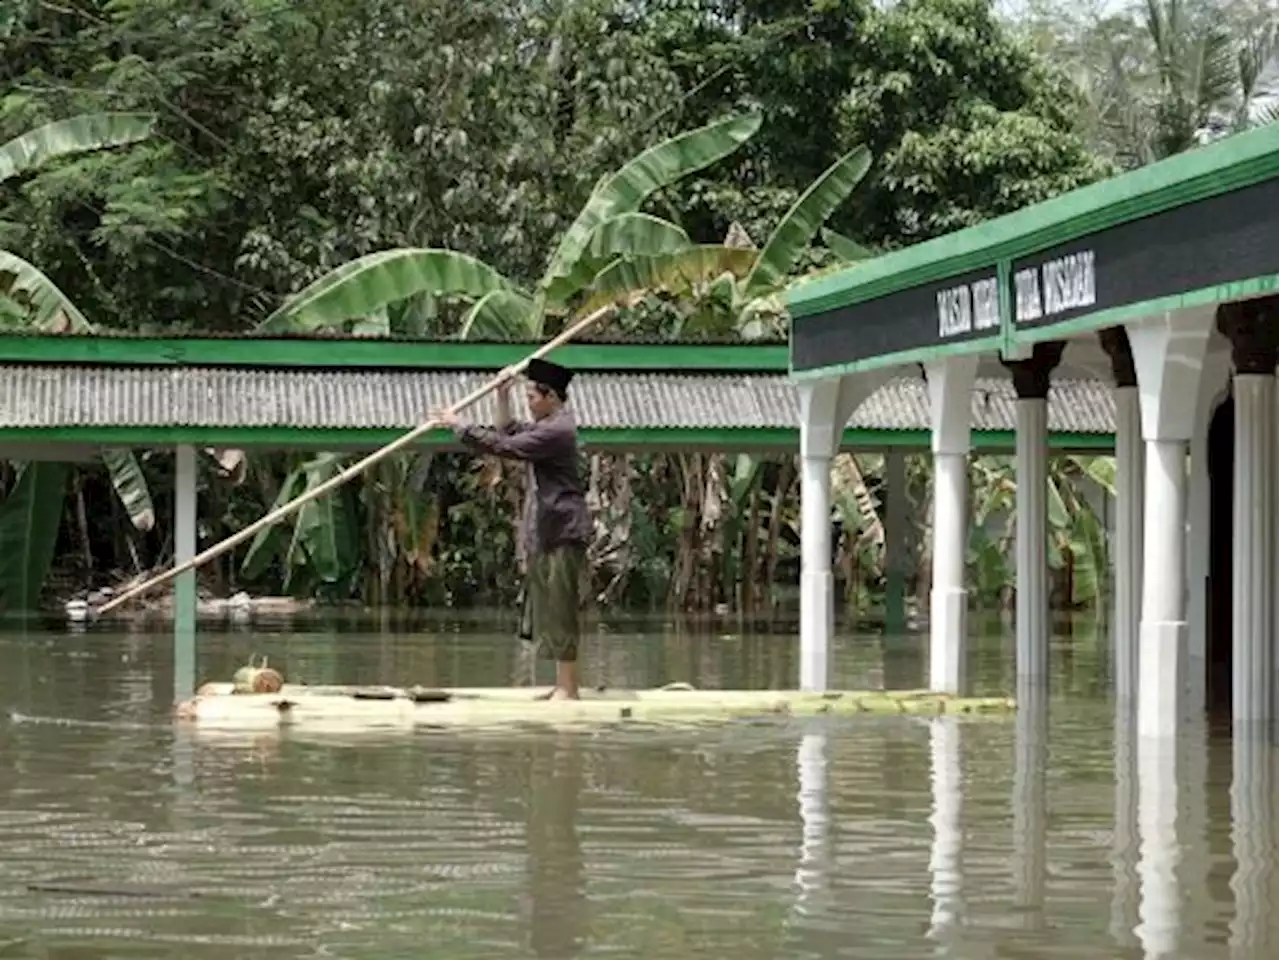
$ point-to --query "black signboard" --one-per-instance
(960, 308)
(1219, 240)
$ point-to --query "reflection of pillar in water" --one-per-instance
(944, 858)
(1253, 845)
(1193, 831)
(557, 882)
(811, 771)
(1029, 800)
(1159, 851)
(1124, 844)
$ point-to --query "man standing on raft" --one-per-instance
(556, 525)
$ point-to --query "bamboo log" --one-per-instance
(392, 708)
(293, 506)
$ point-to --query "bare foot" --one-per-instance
(548, 695)
(559, 693)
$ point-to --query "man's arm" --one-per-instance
(534, 441)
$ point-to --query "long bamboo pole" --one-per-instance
(293, 506)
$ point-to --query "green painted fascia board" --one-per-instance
(386, 354)
(1231, 164)
(783, 438)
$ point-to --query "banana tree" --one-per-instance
(735, 287)
(31, 300)
(394, 289)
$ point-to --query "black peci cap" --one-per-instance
(549, 375)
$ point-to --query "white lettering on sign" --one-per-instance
(1055, 286)
(1026, 295)
(955, 311)
(986, 303)
(969, 307)
(1068, 282)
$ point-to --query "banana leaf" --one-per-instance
(675, 273)
(847, 250)
(630, 234)
(803, 220)
(29, 519)
(650, 171)
(50, 308)
(80, 134)
(325, 539)
(268, 544)
(131, 487)
(500, 315)
(362, 286)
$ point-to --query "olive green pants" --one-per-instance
(549, 612)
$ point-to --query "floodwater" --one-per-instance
(1027, 837)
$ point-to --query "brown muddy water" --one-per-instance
(902, 838)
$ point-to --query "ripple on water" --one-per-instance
(730, 841)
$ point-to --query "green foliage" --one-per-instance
(477, 169)
(29, 518)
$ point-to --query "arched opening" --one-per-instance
(1221, 444)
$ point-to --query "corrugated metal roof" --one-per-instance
(65, 396)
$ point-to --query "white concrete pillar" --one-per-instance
(946, 887)
(896, 530)
(1168, 357)
(825, 409)
(1253, 328)
(1126, 546)
(1253, 556)
(950, 384)
(1130, 484)
(184, 585)
(1030, 801)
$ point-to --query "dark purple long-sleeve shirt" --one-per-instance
(555, 505)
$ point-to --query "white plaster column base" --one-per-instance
(817, 624)
(1031, 549)
(1253, 558)
(1162, 661)
(948, 630)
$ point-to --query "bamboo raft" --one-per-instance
(349, 708)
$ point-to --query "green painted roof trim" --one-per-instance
(387, 354)
(781, 439)
(1230, 164)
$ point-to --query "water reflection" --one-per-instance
(875, 837)
(1124, 835)
(558, 914)
(1030, 816)
(1253, 845)
(815, 821)
(948, 835)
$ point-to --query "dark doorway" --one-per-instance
(1222, 430)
